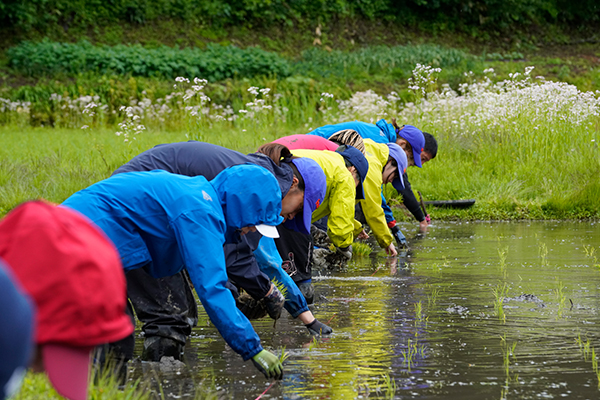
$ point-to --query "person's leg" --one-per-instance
(242, 268)
(243, 272)
(114, 356)
(166, 307)
(296, 250)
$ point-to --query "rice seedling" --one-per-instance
(561, 297)
(590, 251)
(284, 355)
(390, 386)
(413, 350)
(508, 352)
(432, 297)
(543, 253)
(361, 249)
(418, 312)
(589, 354)
(313, 343)
(502, 253)
(500, 293)
(280, 286)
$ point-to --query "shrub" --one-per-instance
(215, 63)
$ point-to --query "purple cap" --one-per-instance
(399, 155)
(315, 186)
(415, 137)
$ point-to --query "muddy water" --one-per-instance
(430, 325)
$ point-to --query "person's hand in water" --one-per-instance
(391, 250)
(274, 302)
(362, 235)
(318, 328)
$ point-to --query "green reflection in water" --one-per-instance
(549, 278)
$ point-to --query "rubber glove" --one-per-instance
(318, 328)
(399, 236)
(269, 364)
(274, 302)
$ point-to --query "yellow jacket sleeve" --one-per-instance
(377, 156)
(357, 227)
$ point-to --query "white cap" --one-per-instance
(267, 230)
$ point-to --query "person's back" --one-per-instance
(166, 222)
(152, 200)
(339, 197)
(306, 142)
(364, 129)
(195, 158)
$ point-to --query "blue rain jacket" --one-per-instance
(382, 132)
(168, 222)
(194, 158)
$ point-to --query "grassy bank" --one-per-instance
(37, 386)
(523, 147)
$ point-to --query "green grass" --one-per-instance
(523, 148)
(36, 386)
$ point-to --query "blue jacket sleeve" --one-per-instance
(269, 261)
(201, 245)
(389, 215)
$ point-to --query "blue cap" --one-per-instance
(399, 155)
(16, 333)
(315, 187)
(356, 158)
(415, 137)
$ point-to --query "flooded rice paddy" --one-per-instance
(472, 311)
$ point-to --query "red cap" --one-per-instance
(74, 275)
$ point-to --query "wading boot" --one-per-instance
(307, 290)
(157, 347)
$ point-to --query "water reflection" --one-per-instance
(438, 299)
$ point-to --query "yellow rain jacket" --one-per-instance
(339, 198)
(377, 155)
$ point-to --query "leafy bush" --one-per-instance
(398, 60)
(48, 15)
(215, 63)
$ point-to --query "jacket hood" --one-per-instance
(387, 129)
(283, 173)
(249, 195)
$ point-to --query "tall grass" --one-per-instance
(37, 386)
(523, 147)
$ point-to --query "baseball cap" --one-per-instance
(75, 278)
(415, 137)
(16, 333)
(267, 230)
(315, 187)
(356, 158)
(399, 155)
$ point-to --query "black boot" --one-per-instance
(157, 347)
(307, 290)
